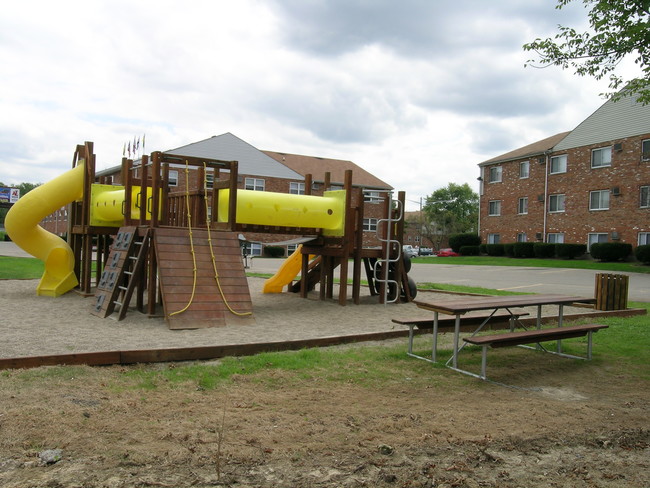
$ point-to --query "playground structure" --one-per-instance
(180, 249)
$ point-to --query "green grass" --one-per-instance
(20, 268)
(467, 289)
(537, 263)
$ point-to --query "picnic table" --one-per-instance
(461, 306)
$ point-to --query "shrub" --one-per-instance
(494, 249)
(274, 251)
(642, 253)
(570, 251)
(610, 251)
(469, 251)
(482, 249)
(509, 249)
(544, 250)
(456, 241)
(524, 249)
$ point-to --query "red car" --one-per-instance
(446, 253)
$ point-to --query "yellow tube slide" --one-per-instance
(285, 274)
(287, 210)
(21, 223)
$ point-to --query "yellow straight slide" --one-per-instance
(287, 272)
(22, 225)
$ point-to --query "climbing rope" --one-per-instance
(214, 262)
(189, 225)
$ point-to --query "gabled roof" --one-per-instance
(611, 121)
(534, 149)
(228, 147)
(317, 167)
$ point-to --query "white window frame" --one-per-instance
(254, 184)
(522, 206)
(560, 203)
(173, 177)
(253, 248)
(209, 180)
(558, 164)
(370, 225)
(372, 196)
(595, 237)
(524, 169)
(494, 208)
(599, 200)
(291, 248)
(643, 238)
(555, 237)
(496, 174)
(522, 237)
(644, 196)
(605, 159)
(645, 150)
(296, 188)
(493, 238)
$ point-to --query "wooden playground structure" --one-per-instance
(171, 249)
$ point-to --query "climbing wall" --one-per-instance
(193, 303)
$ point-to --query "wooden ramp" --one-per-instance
(206, 308)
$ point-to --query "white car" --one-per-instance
(409, 251)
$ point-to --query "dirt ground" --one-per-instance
(425, 427)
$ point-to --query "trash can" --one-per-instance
(611, 291)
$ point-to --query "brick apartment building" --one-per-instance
(268, 171)
(591, 184)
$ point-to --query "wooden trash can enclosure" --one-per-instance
(611, 291)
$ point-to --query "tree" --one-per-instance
(450, 210)
(24, 189)
(619, 28)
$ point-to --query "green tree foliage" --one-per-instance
(24, 189)
(451, 210)
(618, 28)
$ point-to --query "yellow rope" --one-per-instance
(189, 225)
(214, 262)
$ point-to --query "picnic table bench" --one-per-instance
(533, 336)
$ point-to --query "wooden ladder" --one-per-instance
(122, 273)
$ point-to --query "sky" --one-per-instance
(418, 92)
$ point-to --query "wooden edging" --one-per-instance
(106, 358)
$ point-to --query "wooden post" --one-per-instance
(348, 238)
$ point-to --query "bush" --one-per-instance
(482, 249)
(570, 251)
(544, 250)
(494, 249)
(456, 241)
(642, 253)
(469, 251)
(610, 251)
(524, 249)
(509, 249)
(274, 251)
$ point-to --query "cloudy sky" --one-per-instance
(417, 92)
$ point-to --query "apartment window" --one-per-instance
(291, 248)
(495, 174)
(370, 196)
(522, 206)
(494, 208)
(209, 180)
(645, 150)
(494, 239)
(555, 237)
(644, 238)
(524, 169)
(370, 225)
(336, 187)
(644, 197)
(173, 177)
(521, 237)
(256, 184)
(252, 249)
(556, 203)
(296, 188)
(596, 237)
(558, 164)
(599, 200)
(601, 157)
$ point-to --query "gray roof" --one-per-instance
(228, 147)
(613, 120)
(534, 149)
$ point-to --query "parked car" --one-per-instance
(425, 251)
(409, 251)
(446, 253)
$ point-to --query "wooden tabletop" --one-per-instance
(464, 305)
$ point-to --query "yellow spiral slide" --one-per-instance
(22, 225)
